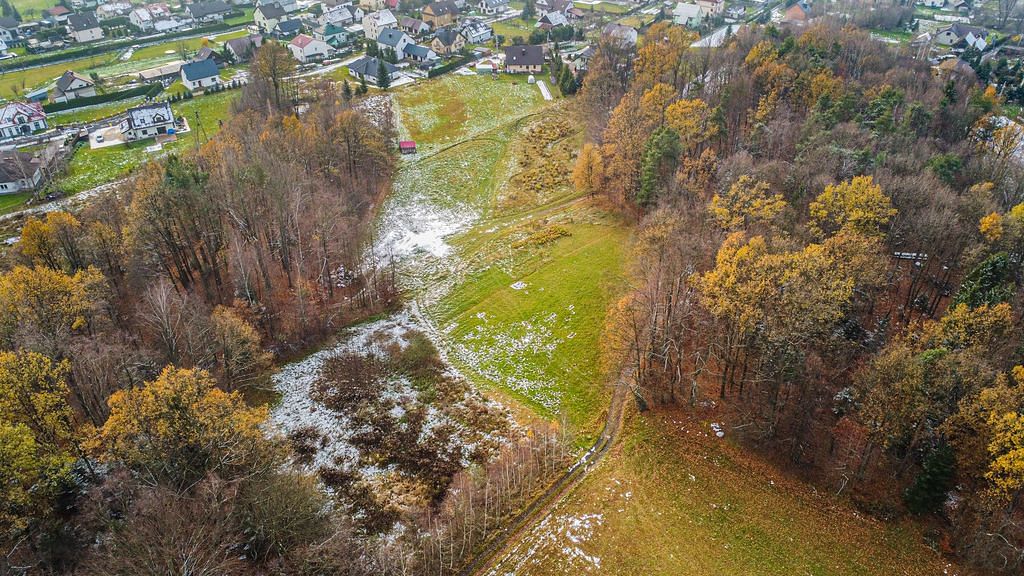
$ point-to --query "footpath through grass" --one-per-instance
(673, 500)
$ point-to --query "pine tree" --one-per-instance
(346, 91)
(362, 87)
(928, 492)
(567, 82)
(383, 78)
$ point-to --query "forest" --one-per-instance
(829, 245)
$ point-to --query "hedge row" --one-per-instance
(435, 72)
(148, 90)
(22, 63)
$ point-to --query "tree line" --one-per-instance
(828, 242)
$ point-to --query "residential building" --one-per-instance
(141, 19)
(209, 11)
(491, 7)
(367, 68)
(711, 8)
(797, 14)
(207, 53)
(579, 60)
(72, 85)
(552, 20)
(147, 121)
(113, 10)
(524, 59)
(267, 16)
(338, 15)
(933, 3)
(373, 5)
(165, 74)
(392, 39)
(448, 41)
(57, 15)
(439, 14)
(374, 22)
(287, 28)
(21, 119)
(956, 33)
(243, 49)
(200, 75)
(19, 171)
(9, 29)
(84, 27)
(625, 36)
(476, 31)
(417, 53)
(413, 26)
(545, 6)
(686, 14)
(332, 34)
(307, 49)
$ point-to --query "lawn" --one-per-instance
(671, 499)
(513, 27)
(90, 113)
(22, 80)
(32, 8)
(90, 168)
(12, 202)
(242, 19)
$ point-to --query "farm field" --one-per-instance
(671, 499)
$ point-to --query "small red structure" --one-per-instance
(407, 147)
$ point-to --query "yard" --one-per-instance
(30, 9)
(90, 168)
(672, 499)
(12, 202)
(513, 27)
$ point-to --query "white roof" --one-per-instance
(686, 11)
(150, 115)
(383, 17)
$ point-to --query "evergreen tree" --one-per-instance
(529, 10)
(928, 492)
(383, 79)
(346, 91)
(567, 82)
(362, 87)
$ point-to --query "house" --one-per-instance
(413, 26)
(735, 12)
(711, 8)
(625, 36)
(961, 6)
(933, 3)
(491, 7)
(21, 119)
(392, 39)
(243, 49)
(57, 15)
(84, 27)
(487, 66)
(524, 59)
(72, 85)
(332, 34)
(286, 5)
(956, 33)
(547, 6)
(287, 28)
(448, 41)
(418, 53)
(19, 171)
(579, 60)
(209, 11)
(170, 25)
(338, 15)
(686, 14)
(113, 10)
(267, 16)
(374, 22)
(200, 75)
(407, 147)
(439, 14)
(372, 5)
(165, 74)
(141, 19)
(552, 20)
(955, 67)
(8, 29)
(147, 121)
(797, 14)
(476, 31)
(207, 53)
(307, 49)
(367, 68)
(159, 10)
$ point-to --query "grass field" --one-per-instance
(12, 202)
(90, 113)
(34, 8)
(674, 500)
(523, 298)
(90, 168)
(514, 27)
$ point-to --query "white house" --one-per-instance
(147, 121)
(84, 27)
(711, 8)
(476, 31)
(418, 53)
(210, 11)
(687, 14)
(390, 38)
(338, 15)
(307, 49)
(200, 75)
(113, 10)
(21, 119)
(267, 17)
(141, 19)
(491, 7)
(72, 85)
(19, 171)
(374, 22)
(546, 6)
(621, 34)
